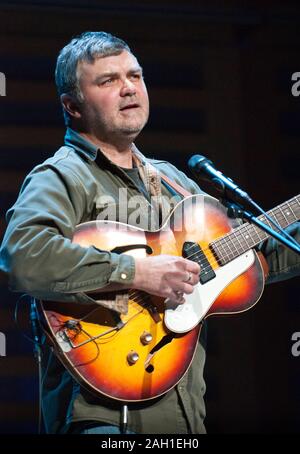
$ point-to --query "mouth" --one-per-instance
(129, 106)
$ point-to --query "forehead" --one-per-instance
(123, 62)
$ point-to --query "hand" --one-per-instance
(166, 276)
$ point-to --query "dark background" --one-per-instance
(219, 80)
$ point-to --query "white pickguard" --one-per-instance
(181, 318)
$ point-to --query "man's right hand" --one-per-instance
(166, 276)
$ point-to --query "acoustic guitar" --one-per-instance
(143, 353)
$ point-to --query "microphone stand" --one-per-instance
(37, 350)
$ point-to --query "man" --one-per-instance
(105, 104)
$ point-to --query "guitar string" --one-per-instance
(227, 240)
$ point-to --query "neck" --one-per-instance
(120, 154)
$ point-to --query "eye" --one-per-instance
(136, 76)
(107, 82)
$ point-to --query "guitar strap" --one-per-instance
(175, 186)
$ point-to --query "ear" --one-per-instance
(71, 105)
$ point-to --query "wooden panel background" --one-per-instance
(219, 79)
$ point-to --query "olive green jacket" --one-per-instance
(40, 259)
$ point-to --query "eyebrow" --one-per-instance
(109, 74)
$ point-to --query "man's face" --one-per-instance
(116, 104)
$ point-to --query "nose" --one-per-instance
(128, 88)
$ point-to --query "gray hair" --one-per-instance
(85, 47)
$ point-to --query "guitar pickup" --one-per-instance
(194, 252)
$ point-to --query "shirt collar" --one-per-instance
(80, 144)
(149, 174)
(90, 150)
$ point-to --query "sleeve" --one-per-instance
(37, 251)
(283, 262)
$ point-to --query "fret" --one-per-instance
(284, 216)
(280, 217)
(266, 221)
(248, 235)
(221, 258)
(230, 252)
(289, 213)
(236, 236)
(224, 255)
(286, 213)
(247, 240)
(259, 235)
(230, 243)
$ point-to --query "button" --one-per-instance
(123, 276)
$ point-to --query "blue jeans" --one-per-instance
(104, 429)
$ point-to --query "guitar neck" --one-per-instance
(248, 235)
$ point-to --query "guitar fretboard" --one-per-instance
(248, 235)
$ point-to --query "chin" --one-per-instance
(132, 134)
(134, 129)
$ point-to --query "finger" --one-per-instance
(194, 280)
(191, 266)
(177, 297)
(184, 287)
(189, 278)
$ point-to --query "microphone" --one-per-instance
(203, 168)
